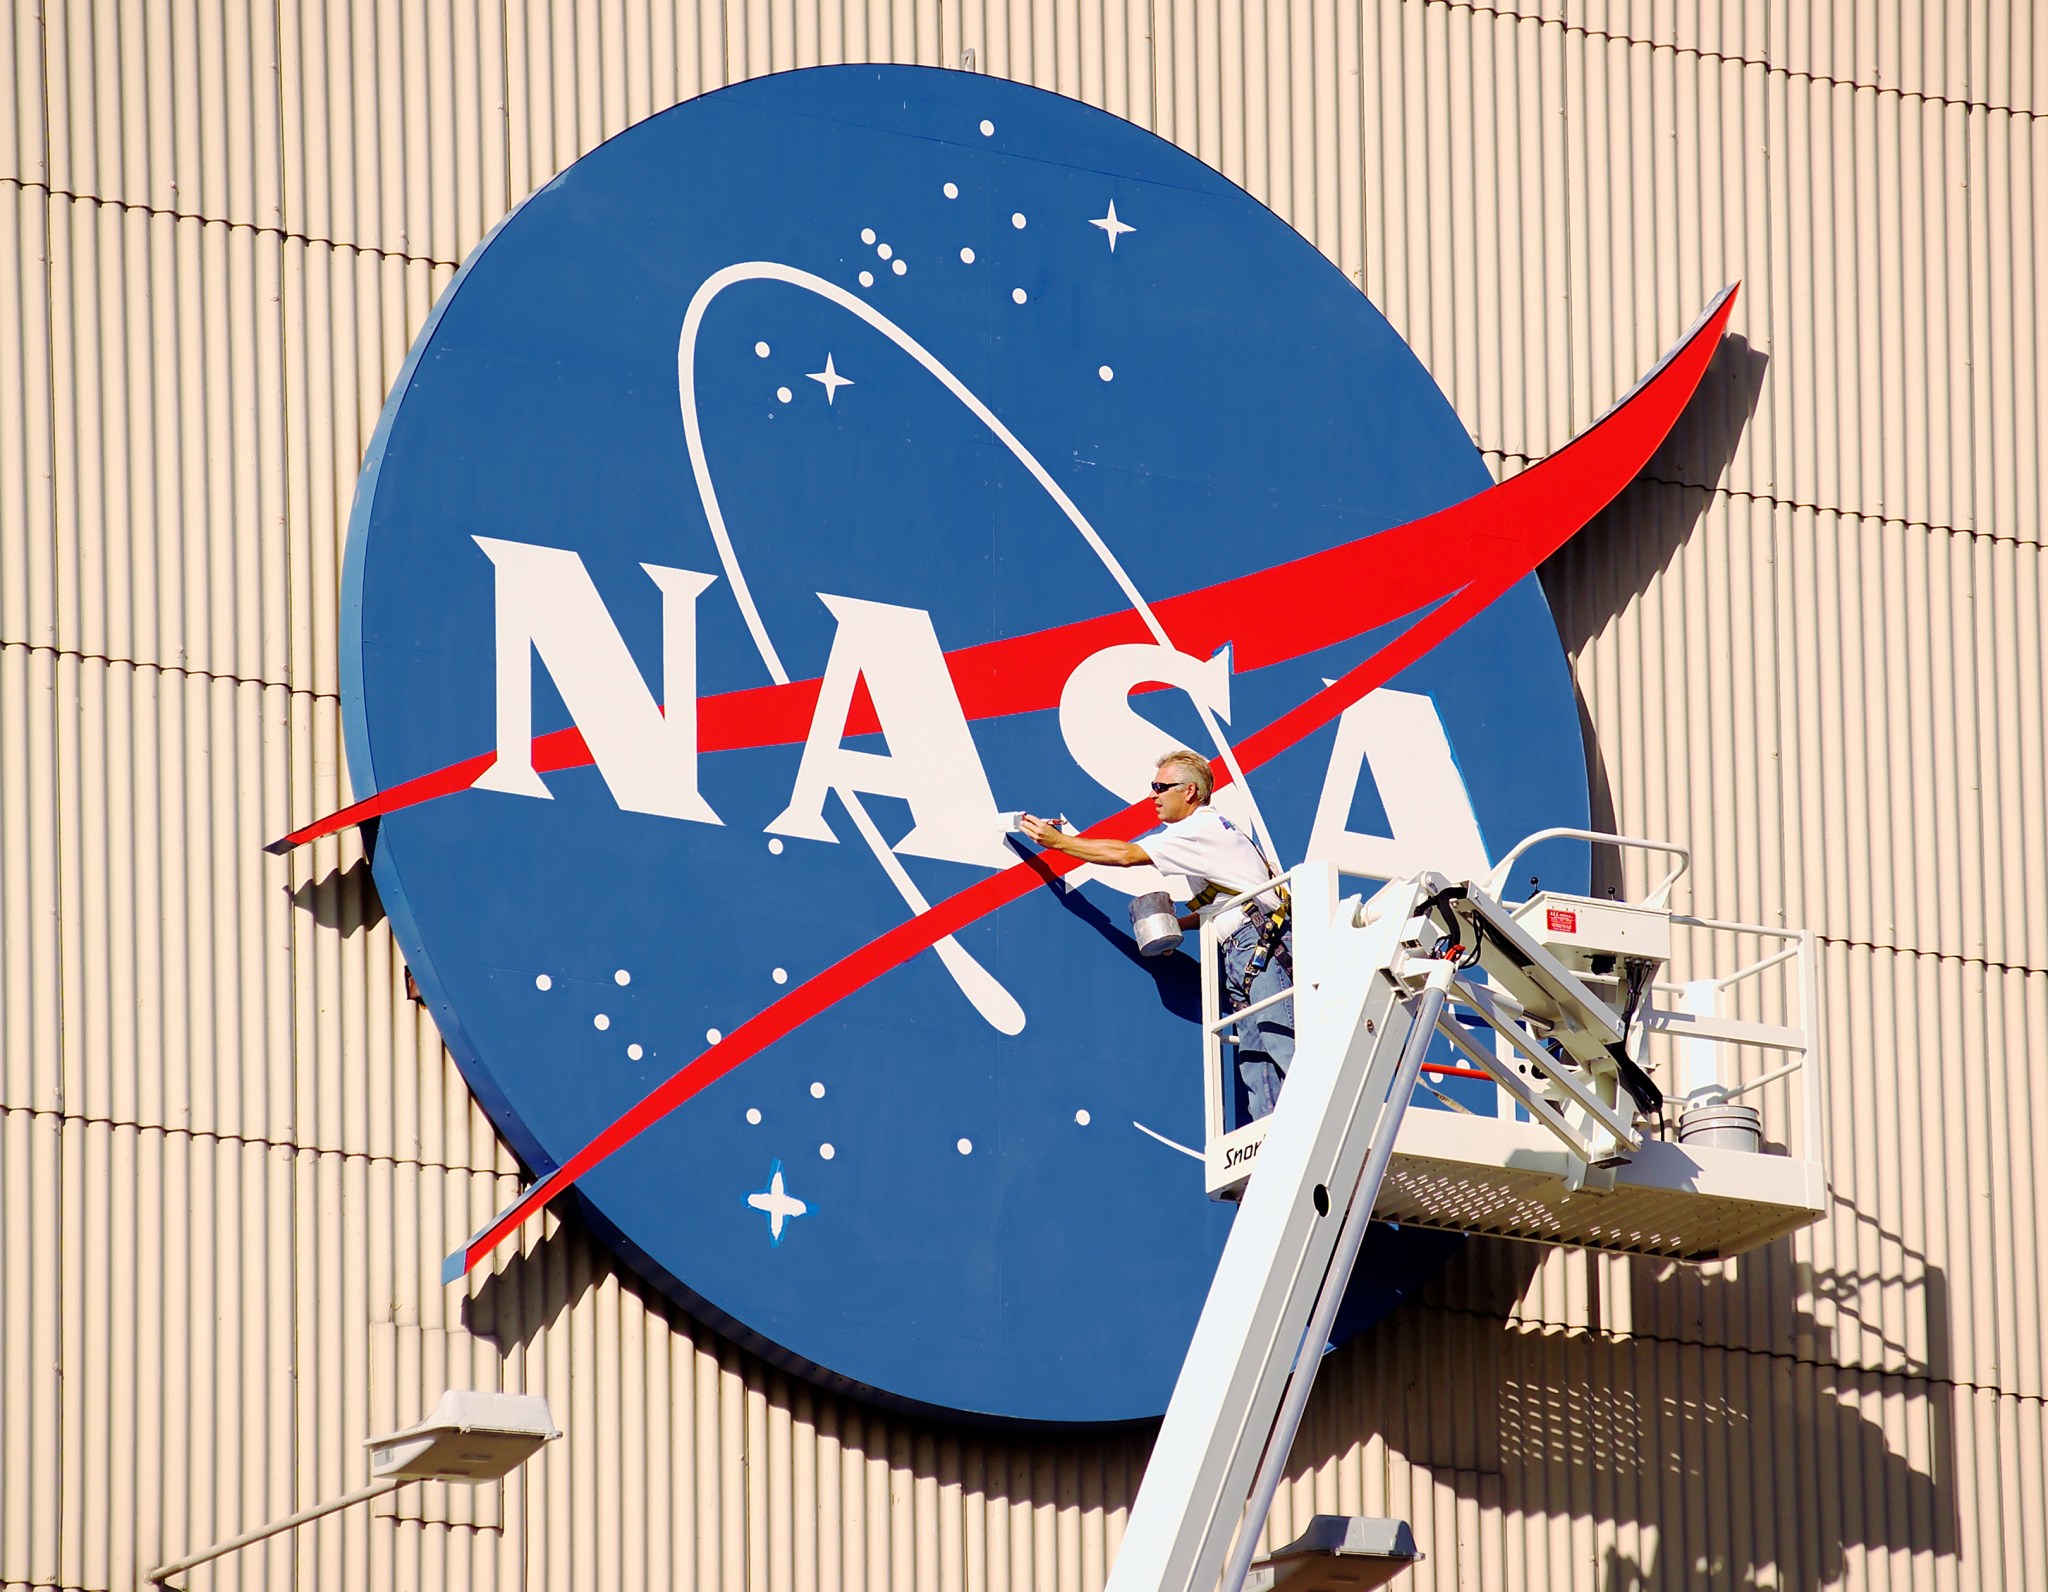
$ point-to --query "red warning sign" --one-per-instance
(1561, 920)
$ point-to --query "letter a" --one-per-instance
(1402, 736)
(548, 605)
(931, 762)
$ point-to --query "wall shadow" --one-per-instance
(1726, 1428)
(346, 900)
(1613, 560)
(533, 1289)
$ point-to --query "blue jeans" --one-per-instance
(1265, 1039)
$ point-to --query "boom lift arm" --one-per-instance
(1375, 982)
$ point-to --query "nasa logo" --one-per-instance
(800, 481)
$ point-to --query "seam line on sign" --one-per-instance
(285, 234)
(1771, 501)
(1721, 56)
(171, 668)
(1535, 1328)
(253, 1142)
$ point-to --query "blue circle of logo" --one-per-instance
(802, 481)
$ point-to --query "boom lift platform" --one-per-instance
(1549, 1005)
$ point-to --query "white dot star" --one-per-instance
(1112, 226)
(777, 1204)
(830, 379)
(634, 1052)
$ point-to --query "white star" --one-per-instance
(777, 1204)
(830, 379)
(1112, 226)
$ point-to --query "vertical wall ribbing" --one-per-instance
(1808, 640)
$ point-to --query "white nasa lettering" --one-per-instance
(1109, 738)
(931, 762)
(547, 604)
(1402, 736)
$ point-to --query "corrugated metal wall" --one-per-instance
(1809, 640)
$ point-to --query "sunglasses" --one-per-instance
(1175, 784)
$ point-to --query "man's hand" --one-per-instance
(1111, 853)
(1042, 833)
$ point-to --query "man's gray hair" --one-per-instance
(1195, 771)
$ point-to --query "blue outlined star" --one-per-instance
(1112, 226)
(777, 1204)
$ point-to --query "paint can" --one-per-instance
(1154, 925)
(1722, 1127)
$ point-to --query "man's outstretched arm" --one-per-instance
(1113, 853)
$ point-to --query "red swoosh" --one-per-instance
(1497, 537)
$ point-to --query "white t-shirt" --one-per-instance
(1208, 849)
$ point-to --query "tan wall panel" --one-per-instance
(167, 441)
(23, 148)
(2008, 290)
(28, 552)
(1989, 52)
(1095, 50)
(349, 319)
(1840, 714)
(2009, 55)
(393, 125)
(573, 76)
(165, 108)
(31, 990)
(190, 981)
(32, 1529)
(1872, 304)
(1459, 101)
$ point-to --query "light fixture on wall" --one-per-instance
(468, 1437)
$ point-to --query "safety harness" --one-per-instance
(1270, 923)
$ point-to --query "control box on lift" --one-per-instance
(1587, 934)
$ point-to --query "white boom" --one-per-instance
(1374, 983)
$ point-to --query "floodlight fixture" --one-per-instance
(468, 1437)
(1338, 1553)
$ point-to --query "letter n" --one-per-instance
(547, 605)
